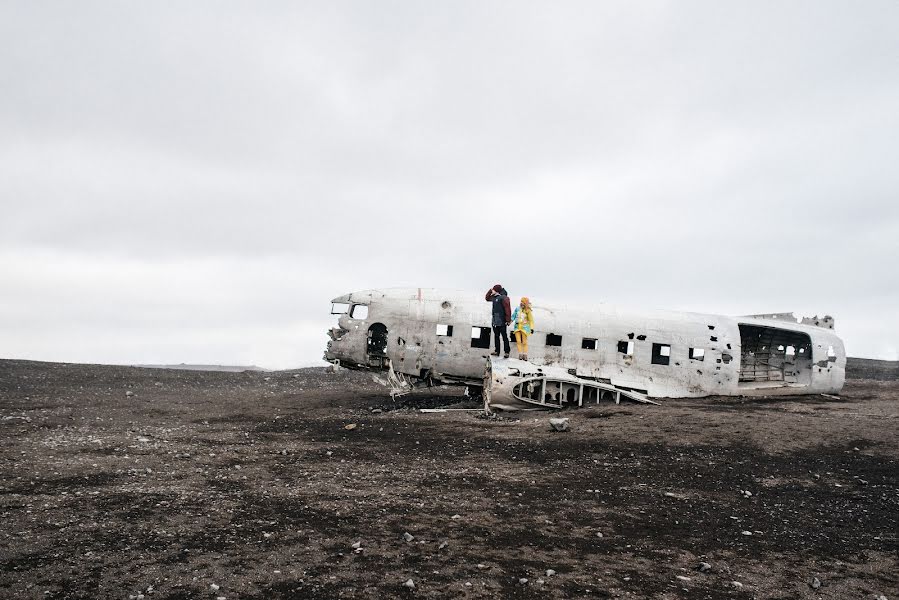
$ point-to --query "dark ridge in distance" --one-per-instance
(872, 368)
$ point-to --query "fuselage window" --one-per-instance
(446, 330)
(480, 337)
(697, 353)
(553, 340)
(661, 354)
(831, 354)
(626, 348)
(791, 351)
(588, 344)
(360, 311)
(339, 308)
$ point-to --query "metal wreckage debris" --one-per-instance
(415, 337)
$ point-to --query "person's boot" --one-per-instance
(523, 356)
(506, 355)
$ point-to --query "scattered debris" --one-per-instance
(409, 584)
(704, 566)
(815, 583)
(350, 427)
(682, 578)
(559, 424)
(523, 580)
(408, 537)
(550, 572)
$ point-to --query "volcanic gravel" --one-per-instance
(123, 482)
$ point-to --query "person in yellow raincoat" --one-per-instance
(523, 326)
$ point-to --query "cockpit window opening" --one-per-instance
(360, 311)
(339, 308)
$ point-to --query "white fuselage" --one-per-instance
(441, 335)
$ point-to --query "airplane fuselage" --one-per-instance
(445, 336)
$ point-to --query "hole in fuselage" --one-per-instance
(377, 340)
(771, 354)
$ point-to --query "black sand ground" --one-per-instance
(252, 482)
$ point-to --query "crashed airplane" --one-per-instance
(582, 356)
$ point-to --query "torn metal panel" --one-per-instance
(511, 384)
(827, 322)
(335, 333)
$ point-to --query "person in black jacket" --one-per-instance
(502, 316)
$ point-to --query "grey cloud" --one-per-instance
(730, 157)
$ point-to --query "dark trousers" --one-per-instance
(500, 330)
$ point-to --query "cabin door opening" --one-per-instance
(772, 355)
(377, 344)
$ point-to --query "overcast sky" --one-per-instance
(193, 182)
